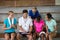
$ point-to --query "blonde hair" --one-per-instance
(11, 12)
(35, 8)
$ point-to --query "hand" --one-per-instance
(9, 28)
(12, 26)
(55, 30)
(47, 32)
(29, 33)
(23, 30)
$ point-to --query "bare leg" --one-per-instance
(50, 38)
(18, 36)
(34, 36)
(29, 37)
(42, 37)
(12, 36)
(47, 36)
(6, 36)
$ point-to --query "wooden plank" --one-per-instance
(19, 3)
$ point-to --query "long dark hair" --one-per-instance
(49, 16)
(38, 18)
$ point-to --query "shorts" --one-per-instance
(49, 30)
(53, 34)
(23, 34)
(9, 33)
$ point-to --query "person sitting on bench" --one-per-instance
(39, 27)
(51, 26)
(25, 26)
(10, 24)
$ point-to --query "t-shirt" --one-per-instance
(33, 15)
(51, 24)
(25, 23)
(6, 22)
(39, 25)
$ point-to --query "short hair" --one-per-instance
(35, 8)
(25, 11)
(11, 12)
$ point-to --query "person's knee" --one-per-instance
(12, 36)
(29, 36)
(6, 37)
(18, 36)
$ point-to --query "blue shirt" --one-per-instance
(34, 15)
(8, 25)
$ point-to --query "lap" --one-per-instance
(9, 34)
(23, 34)
(53, 34)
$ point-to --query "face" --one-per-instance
(25, 15)
(34, 10)
(11, 14)
(46, 17)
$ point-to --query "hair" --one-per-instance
(38, 18)
(11, 12)
(49, 16)
(35, 8)
(25, 11)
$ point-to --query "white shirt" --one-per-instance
(25, 23)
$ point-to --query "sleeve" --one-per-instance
(19, 22)
(55, 23)
(29, 13)
(5, 22)
(15, 21)
(31, 23)
(38, 14)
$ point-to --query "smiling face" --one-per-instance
(25, 15)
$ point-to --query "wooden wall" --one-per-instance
(15, 3)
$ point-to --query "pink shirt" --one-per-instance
(38, 25)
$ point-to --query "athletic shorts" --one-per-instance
(23, 34)
(49, 30)
(9, 33)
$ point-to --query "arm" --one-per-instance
(4, 28)
(29, 13)
(38, 14)
(55, 28)
(47, 28)
(30, 28)
(20, 25)
(14, 26)
(20, 28)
